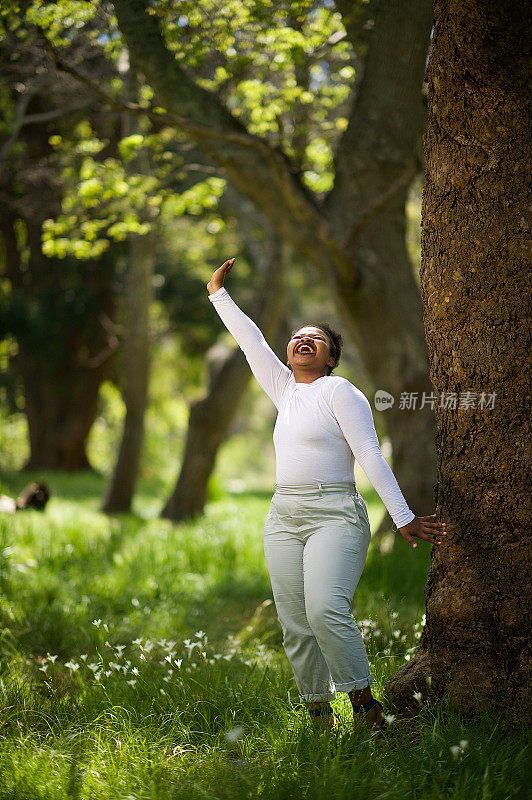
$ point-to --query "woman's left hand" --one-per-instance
(423, 528)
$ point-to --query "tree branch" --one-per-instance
(379, 203)
(389, 113)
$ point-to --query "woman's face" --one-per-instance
(310, 346)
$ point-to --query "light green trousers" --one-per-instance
(316, 539)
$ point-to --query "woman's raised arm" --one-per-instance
(271, 374)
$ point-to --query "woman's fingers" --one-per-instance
(408, 538)
(425, 528)
(429, 523)
(431, 519)
(432, 538)
(219, 274)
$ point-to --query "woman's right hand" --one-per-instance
(217, 280)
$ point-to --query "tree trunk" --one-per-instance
(61, 406)
(139, 296)
(475, 283)
(137, 371)
(384, 317)
(57, 310)
(61, 340)
(212, 416)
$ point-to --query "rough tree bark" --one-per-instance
(136, 353)
(355, 238)
(475, 283)
(211, 417)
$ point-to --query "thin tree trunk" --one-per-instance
(476, 288)
(136, 357)
(138, 300)
(211, 417)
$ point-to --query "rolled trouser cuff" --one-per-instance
(361, 683)
(317, 698)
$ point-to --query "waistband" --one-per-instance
(317, 489)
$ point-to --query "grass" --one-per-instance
(141, 659)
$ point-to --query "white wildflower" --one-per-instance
(417, 696)
(97, 622)
(389, 718)
(72, 665)
(132, 682)
(234, 735)
(463, 743)
(456, 750)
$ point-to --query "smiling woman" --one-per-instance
(322, 347)
(317, 532)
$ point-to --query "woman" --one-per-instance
(317, 531)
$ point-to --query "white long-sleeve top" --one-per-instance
(321, 427)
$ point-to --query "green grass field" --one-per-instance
(141, 659)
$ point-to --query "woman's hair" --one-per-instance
(335, 340)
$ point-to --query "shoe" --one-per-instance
(377, 726)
